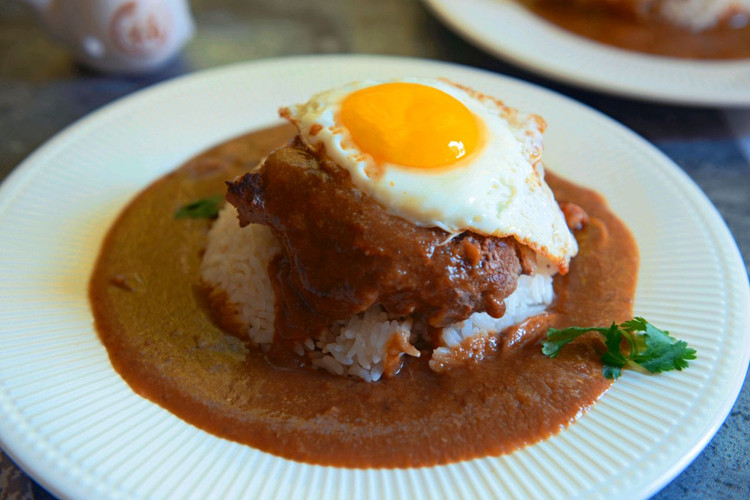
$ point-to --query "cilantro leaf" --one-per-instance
(612, 372)
(636, 324)
(663, 353)
(206, 208)
(647, 346)
(556, 339)
(614, 358)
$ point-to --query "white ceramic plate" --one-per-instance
(508, 30)
(73, 424)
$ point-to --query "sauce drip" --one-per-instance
(152, 316)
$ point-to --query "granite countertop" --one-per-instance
(42, 91)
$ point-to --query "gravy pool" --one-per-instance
(152, 316)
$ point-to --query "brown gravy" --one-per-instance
(629, 33)
(151, 316)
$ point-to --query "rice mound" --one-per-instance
(367, 346)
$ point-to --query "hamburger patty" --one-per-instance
(342, 252)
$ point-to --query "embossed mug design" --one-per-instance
(130, 36)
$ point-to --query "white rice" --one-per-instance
(369, 345)
(360, 347)
(532, 296)
(236, 262)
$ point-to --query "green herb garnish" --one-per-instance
(647, 346)
(206, 208)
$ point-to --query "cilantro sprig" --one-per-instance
(647, 346)
(206, 208)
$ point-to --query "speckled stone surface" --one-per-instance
(42, 91)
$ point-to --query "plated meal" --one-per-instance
(376, 292)
(681, 52)
(74, 424)
(698, 29)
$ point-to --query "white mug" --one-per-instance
(125, 36)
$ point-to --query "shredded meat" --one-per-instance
(342, 252)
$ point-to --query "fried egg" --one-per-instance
(441, 155)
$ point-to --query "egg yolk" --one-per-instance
(410, 124)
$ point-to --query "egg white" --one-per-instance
(497, 190)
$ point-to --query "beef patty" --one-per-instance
(343, 252)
